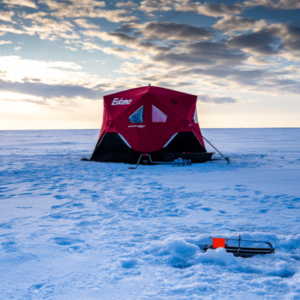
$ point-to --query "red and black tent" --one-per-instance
(152, 120)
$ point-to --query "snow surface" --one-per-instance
(71, 229)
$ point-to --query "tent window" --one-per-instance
(195, 116)
(158, 116)
(137, 117)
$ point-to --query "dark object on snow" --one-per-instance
(150, 120)
(238, 250)
(145, 159)
(182, 162)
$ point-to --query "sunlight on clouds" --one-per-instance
(278, 4)
(6, 16)
(5, 42)
(23, 115)
(27, 3)
(8, 28)
(10, 96)
(14, 68)
(85, 24)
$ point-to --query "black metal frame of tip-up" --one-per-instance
(240, 251)
(227, 158)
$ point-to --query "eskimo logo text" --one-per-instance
(118, 101)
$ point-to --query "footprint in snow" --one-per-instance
(59, 197)
(64, 241)
(35, 287)
(129, 264)
(206, 208)
(78, 205)
(24, 207)
(241, 190)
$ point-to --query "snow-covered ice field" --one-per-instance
(85, 230)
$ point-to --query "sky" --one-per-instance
(58, 58)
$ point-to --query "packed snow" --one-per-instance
(72, 229)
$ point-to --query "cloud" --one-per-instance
(47, 91)
(8, 28)
(126, 28)
(50, 79)
(72, 7)
(126, 40)
(209, 9)
(168, 53)
(216, 99)
(276, 39)
(228, 76)
(128, 4)
(35, 16)
(149, 6)
(173, 31)
(18, 97)
(6, 16)
(234, 23)
(285, 31)
(181, 59)
(90, 46)
(291, 49)
(70, 48)
(27, 3)
(115, 16)
(5, 42)
(156, 77)
(274, 4)
(214, 53)
(179, 84)
(259, 61)
(203, 57)
(14, 68)
(50, 29)
(85, 24)
(122, 53)
(291, 45)
(18, 49)
(184, 54)
(87, 9)
(256, 80)
(263, 42)
(134, 68)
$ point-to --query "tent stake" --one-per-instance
(227, 158)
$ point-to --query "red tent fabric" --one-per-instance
(147, 120)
